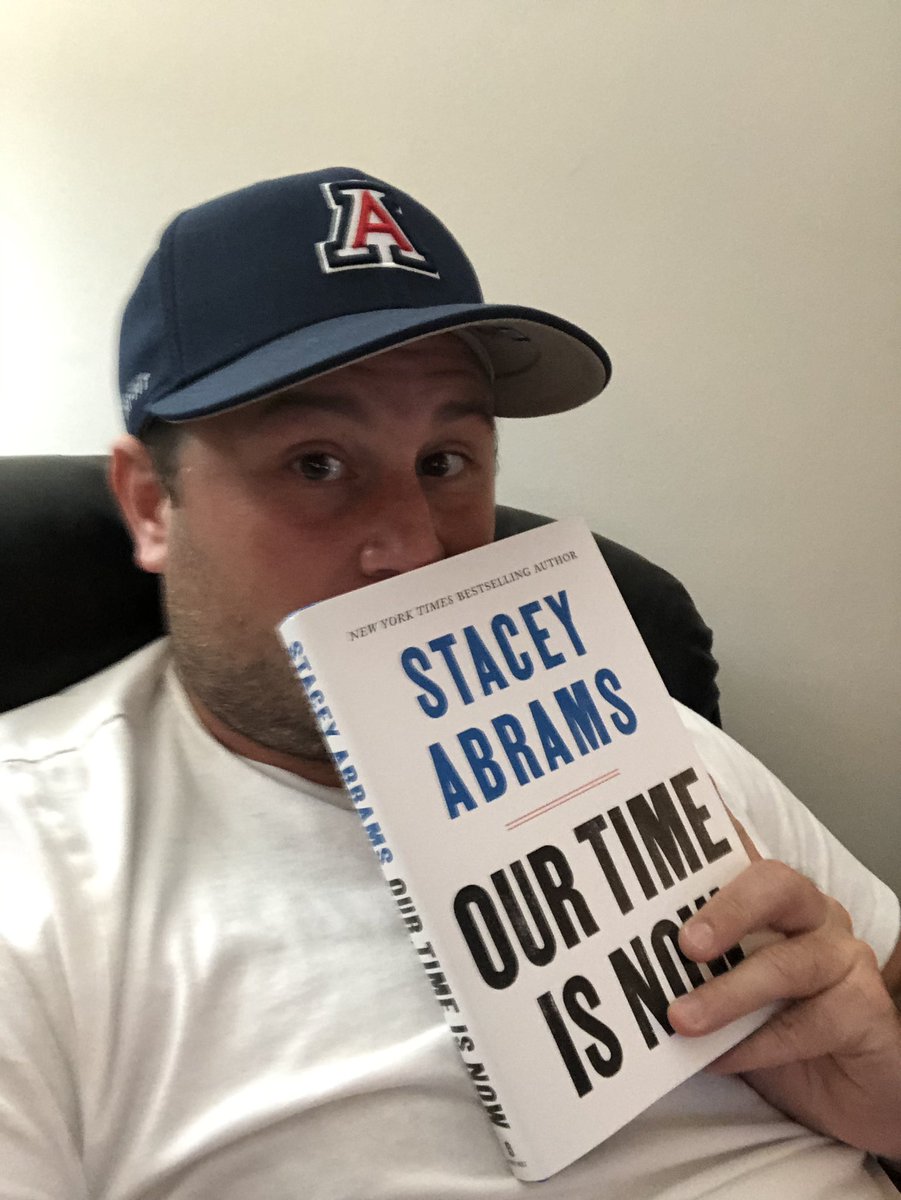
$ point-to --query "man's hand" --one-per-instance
(831, 1057)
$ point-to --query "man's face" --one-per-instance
(370, 471)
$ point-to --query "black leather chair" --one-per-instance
(72, 601)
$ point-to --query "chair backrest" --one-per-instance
(72, 600)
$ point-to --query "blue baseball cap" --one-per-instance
(290, 278)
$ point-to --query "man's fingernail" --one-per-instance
(690, 1011)
(700, 937)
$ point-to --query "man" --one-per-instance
(206, 990)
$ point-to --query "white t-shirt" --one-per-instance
(206, 991)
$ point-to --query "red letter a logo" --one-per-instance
(373, 217)
(367, 231)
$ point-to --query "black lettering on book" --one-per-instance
(363, 631)
(405, 905)
(482, 925)
(579, 997)
(650, 984)
(698, 815)
(480, 1079)
(643, 990)
(592, 831)
(664, 849)
(440, 986)
(628, 843)
(465, 1044)
(439, 983)
(396, 619)
(538, 949)
(434, 605)
(555, 878)
(555, 560)
(484, 933)
(487, 1094)
(665, 836)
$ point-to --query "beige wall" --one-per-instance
(711, 186)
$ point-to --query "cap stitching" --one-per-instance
(170, 300)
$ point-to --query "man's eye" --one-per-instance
(443, 464)
(318, 467)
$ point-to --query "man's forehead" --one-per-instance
(446, 365)
(355, 407)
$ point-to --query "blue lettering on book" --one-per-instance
(331, 736)
(551, 640)
(511, 748)
(522, 750)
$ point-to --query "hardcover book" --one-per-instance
(543, 821)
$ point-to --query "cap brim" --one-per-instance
(542, 364)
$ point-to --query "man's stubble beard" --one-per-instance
(243, 679)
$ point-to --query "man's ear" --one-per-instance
(145, 504)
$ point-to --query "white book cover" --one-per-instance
(543, 820)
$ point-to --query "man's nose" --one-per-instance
(400, 530)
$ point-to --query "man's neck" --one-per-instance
(315, 770)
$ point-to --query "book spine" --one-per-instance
(401, 883)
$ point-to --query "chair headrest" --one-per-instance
(72, 600)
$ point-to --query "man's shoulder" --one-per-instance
(66, 793)
(750, 790)
(782, 827)
(66, 720)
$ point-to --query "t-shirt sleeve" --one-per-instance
(39, 1117)
(782, 828)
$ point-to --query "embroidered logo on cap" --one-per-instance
(134, 390)
(367, 231)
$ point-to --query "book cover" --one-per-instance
(543, 820)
